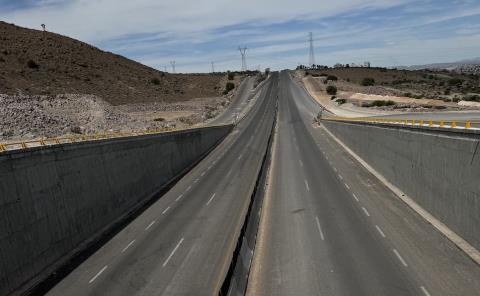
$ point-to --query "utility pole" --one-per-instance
(243, 52)
(213, 67)
(311, 59)
(173, 66)
(43, 26)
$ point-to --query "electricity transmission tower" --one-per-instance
(243, 52)
(213, 67)
(173, 66)
(165, 68)
(311, 59)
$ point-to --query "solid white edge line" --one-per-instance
(380, 231)
(211, 198)
(400, 257)
(98, 274)
(320, 229)
(128, 246)
(425, 291)
(172, 253)
(166, 210)
(466, 247)
(150, 225)
(365, 211)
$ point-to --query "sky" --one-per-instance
(195, 33)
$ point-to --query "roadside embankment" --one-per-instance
(57, 200)
(440, 172)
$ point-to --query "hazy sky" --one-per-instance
(196, 32)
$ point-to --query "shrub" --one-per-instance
(159, 119)
(475, 98)
(76, 130)
(228, 87)
(341, 101)
(447, 92)
(390, 103)
(455, 82)
(331, 90)
(332, 78)
(155, 81)
(231, 75)
(368, 81)
(32, 64)
(381, 103)
(333, 98)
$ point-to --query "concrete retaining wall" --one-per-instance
(55, 199)
(441, 173)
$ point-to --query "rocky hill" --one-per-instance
(33, 62)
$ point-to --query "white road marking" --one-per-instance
(356, 198)
(128, 246)
(319, 229)
(150, 225)
(229, 172)
(178, 198)
(346, 185)
(301, 162)
(296, 148)
(400, 258)
(98, 274)
(240, 157)
(166, 210)
(203, 174)
(211, 198)
(424, 290)
(340, 176)
(189, 187)
(380, 231)
(306, 185)
(335, 169)
(196, 180)
(173, 252)
(365, 211)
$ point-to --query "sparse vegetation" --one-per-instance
(76, 130)
(228, 87)
(331, 90)
(368, 81)
(155, 81)
(341, 101)
(230, 75)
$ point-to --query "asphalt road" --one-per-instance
(240, 102)
(329, 227)
(183, 243)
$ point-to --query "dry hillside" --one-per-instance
(33, 62)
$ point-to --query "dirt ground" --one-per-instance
(354, 99)
(35, 117)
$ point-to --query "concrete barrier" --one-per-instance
(440, 172)
(56, 200)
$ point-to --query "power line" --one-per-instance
(311, 58)
(243, 52)
(173, 66)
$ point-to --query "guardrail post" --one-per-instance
(442, 123)
(468, 124)
(454, 124)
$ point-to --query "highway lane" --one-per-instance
(183, 243)
(330, 228)
(240, 102)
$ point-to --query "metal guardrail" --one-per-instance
(446, 124)
(20, 145)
